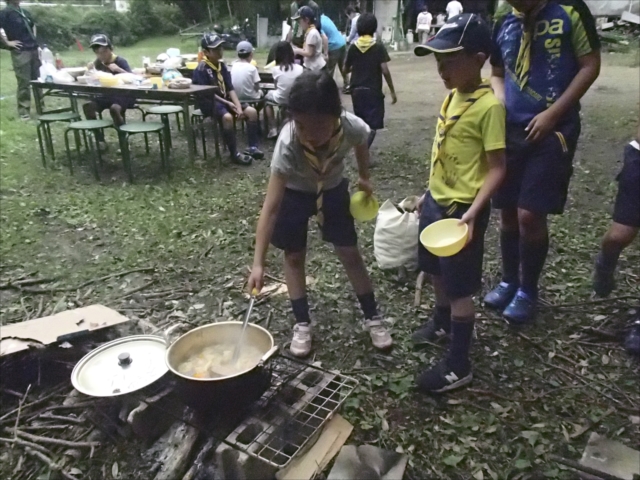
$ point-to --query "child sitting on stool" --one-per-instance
(223, 105)
(108, 62)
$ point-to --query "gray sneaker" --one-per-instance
(301, 341)
(380, 336)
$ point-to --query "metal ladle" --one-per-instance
(236, 352)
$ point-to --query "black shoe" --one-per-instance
(442, 378)
(632, 340)
(242, 159)
(603, 279)
(432, 331)
(501, 296)
(346, 90)
(254, 153)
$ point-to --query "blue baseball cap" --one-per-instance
(244, 47)
(463, 32)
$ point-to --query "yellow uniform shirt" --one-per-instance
(458, 172)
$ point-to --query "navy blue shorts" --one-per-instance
(290, 232)
(538, 174)
(462, 272)
(213, 109)
(369, 106)
(627, 206)
(105, 103)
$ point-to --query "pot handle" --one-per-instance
(268, 355)
(167, 333)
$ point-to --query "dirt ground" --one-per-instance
(536, 392)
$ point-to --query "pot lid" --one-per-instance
(121, 366)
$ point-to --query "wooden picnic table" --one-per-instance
(74, 91)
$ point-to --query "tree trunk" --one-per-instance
(229, 7)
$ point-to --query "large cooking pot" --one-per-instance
(208, 393)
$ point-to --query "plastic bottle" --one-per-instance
(59, 64)
(47, 56)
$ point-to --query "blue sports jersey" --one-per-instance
(564, 31)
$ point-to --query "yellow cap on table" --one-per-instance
(109, 81)
(363, 208)
(191, 65)
(445, 238)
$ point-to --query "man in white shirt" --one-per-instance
(423, 24)
(454, 8)
(353, 13)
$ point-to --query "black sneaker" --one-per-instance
(442, 378)
(501, 296)
(603, 279)
(242, 159)
(254, 153)
(632, 340)
(432, 331)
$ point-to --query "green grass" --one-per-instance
(197, 230)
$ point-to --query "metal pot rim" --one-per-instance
(264, 358)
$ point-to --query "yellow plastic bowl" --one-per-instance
(363, 208)
(445, 238)
(109, 81)
(191, 65)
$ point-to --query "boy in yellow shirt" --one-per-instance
(467, 167)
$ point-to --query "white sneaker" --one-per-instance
(273, 133)
(301, 342)
(380, 336)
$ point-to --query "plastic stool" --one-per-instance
(44, 131)
(197, 120)
(134, 128)
(164, 111)
(83, 127)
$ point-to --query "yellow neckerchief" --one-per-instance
(445, 124)
(311, 27)
(365, 42)
(320, 166)
(218, 70)
(523, 62)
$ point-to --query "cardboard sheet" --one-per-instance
(60, 327)
(331, 440)
(611, 457)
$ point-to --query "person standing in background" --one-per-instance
(20, 31)
(295, 35)
(353, 13)
(423, 24)
(337, 47)
(454, 8)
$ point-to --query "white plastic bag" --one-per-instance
(45, 70)
(395, 240)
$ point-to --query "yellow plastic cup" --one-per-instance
(191, 65)
(157, 81)
(445, 238)
(362, 207)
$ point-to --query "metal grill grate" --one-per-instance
(301, 399)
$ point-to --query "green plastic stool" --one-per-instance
(84, 126)
(197, 120)
(44, 131)
(164, 111)
(134, 128)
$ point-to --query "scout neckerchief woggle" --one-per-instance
(365, 42)
(320, 166)
(523, 62)
(218, 70)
